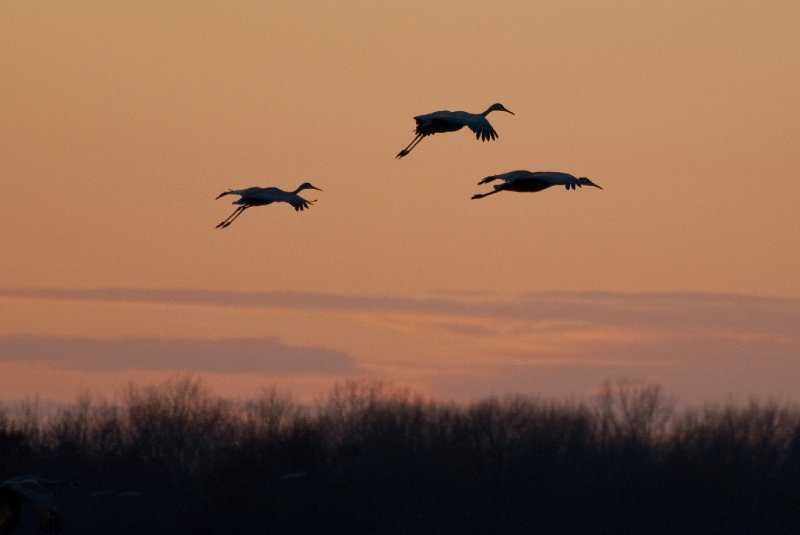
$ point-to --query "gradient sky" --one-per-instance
(121, 122)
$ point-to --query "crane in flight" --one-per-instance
(37, 492)
(533, 181)
(450, 121)
(256, 196)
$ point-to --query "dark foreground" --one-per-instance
(376, 459)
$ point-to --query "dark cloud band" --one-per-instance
(238, 355)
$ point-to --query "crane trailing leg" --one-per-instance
(482, 195)
(410, 146)
(230, 219)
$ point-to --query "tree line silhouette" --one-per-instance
(376, 458)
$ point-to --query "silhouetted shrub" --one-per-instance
(377, 458)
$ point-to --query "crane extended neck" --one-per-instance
(496, 107)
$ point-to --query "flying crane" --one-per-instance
(527, 181)
(450, 121)
(256, 196)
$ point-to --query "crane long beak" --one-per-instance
(509, 111)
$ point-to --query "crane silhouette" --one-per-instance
(256, 196)
(533, 181)
(450, 121)
(36, 491)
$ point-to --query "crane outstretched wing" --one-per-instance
(482, 129)
(299, 203)
(508, 177)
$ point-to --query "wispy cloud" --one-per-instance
(595, 324)
(238, 299)
(658, 310)
(456, 343)
(237, 355)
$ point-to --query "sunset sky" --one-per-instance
(122, 121)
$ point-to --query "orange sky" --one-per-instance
(122, 122)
